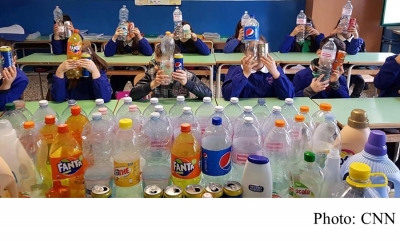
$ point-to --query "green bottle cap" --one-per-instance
(10, 106)
(309, 156)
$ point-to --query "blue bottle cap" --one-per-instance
(261, 101)
(96, 116)
(216, 120)
(71, 102)
(329, 117)
(259, 160)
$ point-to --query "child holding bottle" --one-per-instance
(193, 44)
(234, 43)
(59, 46)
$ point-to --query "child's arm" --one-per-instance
(388, 74)
(58, 46)
(354, 46)
(145, 48)
(195, 86)
(12, 87)
(59, 88)
(142, 88)
(102, 88)
(110, 49)
(235, 82)
(201, 47)
(300, 85)
(288, 44)
(283, 88)
(231, 45)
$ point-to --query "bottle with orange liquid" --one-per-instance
(58, 191)
(74, 52)
(67, 162)
(185, 158)
(49, 131)
(76, 122)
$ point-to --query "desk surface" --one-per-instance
(294, 58)
(381, 111)
(232, 58)
(86, 105)
(198, 60)
(370, 58)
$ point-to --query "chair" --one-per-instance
(210, 45)
(103, 45)
(137, 79)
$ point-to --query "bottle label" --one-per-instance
(127, 174)
(74, 48)
(274, 146)
(301, 21)
(256, 188)
(67, 167)
(295, 134)
(241, 158)
(159, 144)
(61, 29)
(275, 195)
(302, 191)
(216, 163)
(328, 54)
(185, 167)
(251, 33)
(177, 17)
(345, 154)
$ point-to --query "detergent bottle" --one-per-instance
(8, 186)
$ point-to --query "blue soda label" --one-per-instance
(216, 163)
(251, 33)
(178, 64)
(6, 58)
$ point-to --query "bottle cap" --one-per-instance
(71, 102)
(50, 119)
(127, 99)
(334, 153)
(168, 33)
(261, 101)
(219, 108)
(359, 171)
(207, 195)
(329, 117)
(76, 110)
(299, 118)
(280, 123)
(76, 30)
(376, 144)
(180, 98)
(99, 101)
(185, 127)
(29, 124)
(216, 120)
(247, 109)
(276, 109)
(56, 184)
(234, 100)
(133, 108)
(158, 108)
(154, 100)
(302, 11)
(155, 115)
(304, 109)
(289, 101)
(187, 110)
(249, 120)
(309, 156)
(125, 124)
(96, 116)
(259, 160)
(206, 99)
(63, 128)
(43, 103)
(103, 110)
(325, 107)
(10, 106)
(19, 104)
(358, 119)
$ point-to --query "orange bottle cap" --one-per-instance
(185, 127)
(29, 124)
(299, 118)
(76, 30)
(50, 119)
(56, 184)
(75, 110)
(325, 107)
(63, 128)
(280, 123)
(304, 108)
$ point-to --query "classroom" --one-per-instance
(301, 59)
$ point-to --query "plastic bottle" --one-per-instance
(233, 110)
(245, 18)
(305, 111)
(49, 132)
(325, 137)
(167, 58)
(15, 117)
(226, 122)
(8, 185)
(67, 162)
(358, 183)
(251, 29)
(126, 160)
(20, 106)
(319, 116)
(67, 111)
(136, 116)
(185, 158)
(163, 115)
(301, 20)
(74, 52)
(123, 20)
(328, 56)
(177, 18)
(346, 15)
(99, 104)
(150, 109)
(58, 191)
(41, 113)
(203, 112)
(108, 116)
(269, 122)
(246, 141)
(261, 110)
(59, 20)
(188, 117)
(157, 142)
(121, 112)
(301, 137)
(76, 122)
(257, 178)
(176, 110)
(216, 147)
(333, 179)
(309, 178)
(289, 111)
(247, 112)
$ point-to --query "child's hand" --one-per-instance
(353, 30)
(65, 66)
(241, 34)
(336, 74)
(318, 86)
(180, 76)
(248, 64)
(194, 36)
(337, 30)
(159, 79)
(71, 27)
(136, 32)
(9, 74)
(296, 30)
(118, 32)
(269, 62)
(313, 32)
(88, 64)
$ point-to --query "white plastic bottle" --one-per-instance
(301, 20)
(226, 122)
(346, 15)
(233, 110)
(150, 109)
(247, 112)
(269, 122)
(15, 117)
(136, 116)
(176, 110)
(203, 112)
(301, 137)
(328, 56)
(123, 20)
(8, 185)
(289, 111)
(332, 175)
(257, 178)
(99, 104)
(244, 19)
(67, 111)
(40, 114)
(188, 117)
(163, 115)
(177, 18)
(20, 106)
(305, 111)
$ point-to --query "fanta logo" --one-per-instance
(184, 167)
(69, 166)
(74, 48)
(250, 32)
(225, 161)
(178, 65)
(122, 171)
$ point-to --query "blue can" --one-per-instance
(6, 56)
(178, 62)
(85, 72)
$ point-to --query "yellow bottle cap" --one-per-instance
(168, 33)
(360, 171)
(125, 124)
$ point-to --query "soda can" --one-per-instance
(194, 191)
(6, 56)
(153, 191)
(352, 23)
(173, 191)
(340, 56)
(215, 189)
(101, 191)
(262, 50)
(232, 189)
(68, 32)
(178, 62)
(85, 72)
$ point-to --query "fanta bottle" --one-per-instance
(76, 122)
(49, 131)
(67, 162)
(74, 52)
(185, 158)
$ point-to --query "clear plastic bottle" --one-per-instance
(157, 142)
(233, 110)
(246, 141)
(346, 15)
(150, 109)
(333, 179)
(49, 131)
(167, 58)
(176, 110)
(126, 160)
(20, 106)
(301, 137)
(136, 116)
(324, 139)
(99, 104)
(301, 20)
(289, 111)
(123, 20)
(76, 122)
(226, 122)
(269, 122)
(328, 56)
(261, 110)
(251, 29)
(216, 153)
(244, 19)
(121, 112)
(305, 111)
(163, 115)
(188, 117)
(67, 111)
(177, 18)
(319, 116)
(247, 112)
(15, 117)
(108, 116)
(40, 114)
(203, 112)
(59, 20)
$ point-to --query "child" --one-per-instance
(192, 45)
(256, 79)
(94, 87)
(135, 44)
(13, 81)
(306, 82)
(311, 43)
(354, 44)
(184, 82)
(59, 46)
(234, 44)
(388, 78)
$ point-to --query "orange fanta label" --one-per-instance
(67, 167)
(185, 167)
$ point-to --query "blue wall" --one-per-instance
(277, 18)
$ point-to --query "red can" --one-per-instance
(352, 23)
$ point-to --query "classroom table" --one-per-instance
(290, 59)
(222, 59)
(207, 61)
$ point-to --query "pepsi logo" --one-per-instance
(225, 161)
(205, 155)
(178, 65)
(249, 32)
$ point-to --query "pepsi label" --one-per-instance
(251, 33)
(216, 163)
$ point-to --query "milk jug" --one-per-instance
(257, 178)
(8, 186)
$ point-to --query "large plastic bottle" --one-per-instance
(257, 178)
(328, 56)
(203, 112)
(41, 113)
(109, 117)
(346, 15)
(58, 19)
(289, 111)
(188, 117)
(244, 19)
(150, 108)
(333, 179)
(177, 18)
(261, 110)
(74, 52)
(319, 116)
(233, 110)
(15, 117)
(176, 110)
(20, 106)
(76, 122)
(216, 147)
(269, 122)
(67, 162)
(251, 29)
(301, 137)
(226, 122)
(67, 111)
(123, 109)
(136, 116)
(99, 103)
(167, 58)
(247, 112)
(126, 160)
(49, 132)
(8, 185)
(163, 115)
(123, 20)
(305, 111)
(301, 20)
(185, 158)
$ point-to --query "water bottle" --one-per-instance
(59, 20)
(163, 115)
(226, 122)
(261, 110)
(40, 114)
(123, 20)
(188, 117)
(319, 116)
(109, 117)
(150, 108)
(246, 141)
(289, 111)
(203, 112)
(20, 106)
(121, 112)
(301, 21)
(136, 116)
(301, 137)
(269, 122)
(251, 29)
(233, 110)
(216, 153)
(176, 110)
(157, 142)
(67, 111)
(346, 15)
(308, 120)
(99, 104)
(247, 112)
(328, 56)
(167, 58)
(245, 18)
(257, 177)
(333, 180)
(178, 18)
(15, 117)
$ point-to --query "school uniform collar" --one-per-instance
(340, 36)
(263, 69)
(128, 43)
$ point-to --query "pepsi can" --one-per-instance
(6, 56)
(85, 72)
(178, 62)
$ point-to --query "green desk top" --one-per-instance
(126, 60)
(40, 39)
(232, 58)
(198, 60)
(294, 58)
(381, 111)
(368, 58)
(86, 105)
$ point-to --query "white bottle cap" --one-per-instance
(43, 103)
(127, 99)
(206, 99)
(234, 100)
(276, 109)
(96, 116)
(154, 100)
(133, 108)
(289, 101)
(158, 108)
(187, 110)
(155, 115)
(334, 153)
(248, 120)
(219, 108)
(180, 98)
(248, 108)
(207, 195)
(99, 101)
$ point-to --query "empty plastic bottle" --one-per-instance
(233, 110)
(308, 120)
(247, 112)
(177, 18)
(59, 20)
(203, 112)
(269, 122)
(137, 119)
(188, 117)
(167, 58)
(226, 122)
(15, 117)
(301, 137)
(150, 109)
(289, 111)
(99, 104)
(123, 20)
(163, 115)
(346, 15)
(319, 116)
(108, 116)
(328, 56)
(261, 110)
(243, 20)
(251, 29)
(176, 110)
(20, 106)
(121, 112)
(67, 111)
(40, 114)
(301, 20)
(333, 180)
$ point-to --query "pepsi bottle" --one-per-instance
(252, 29)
